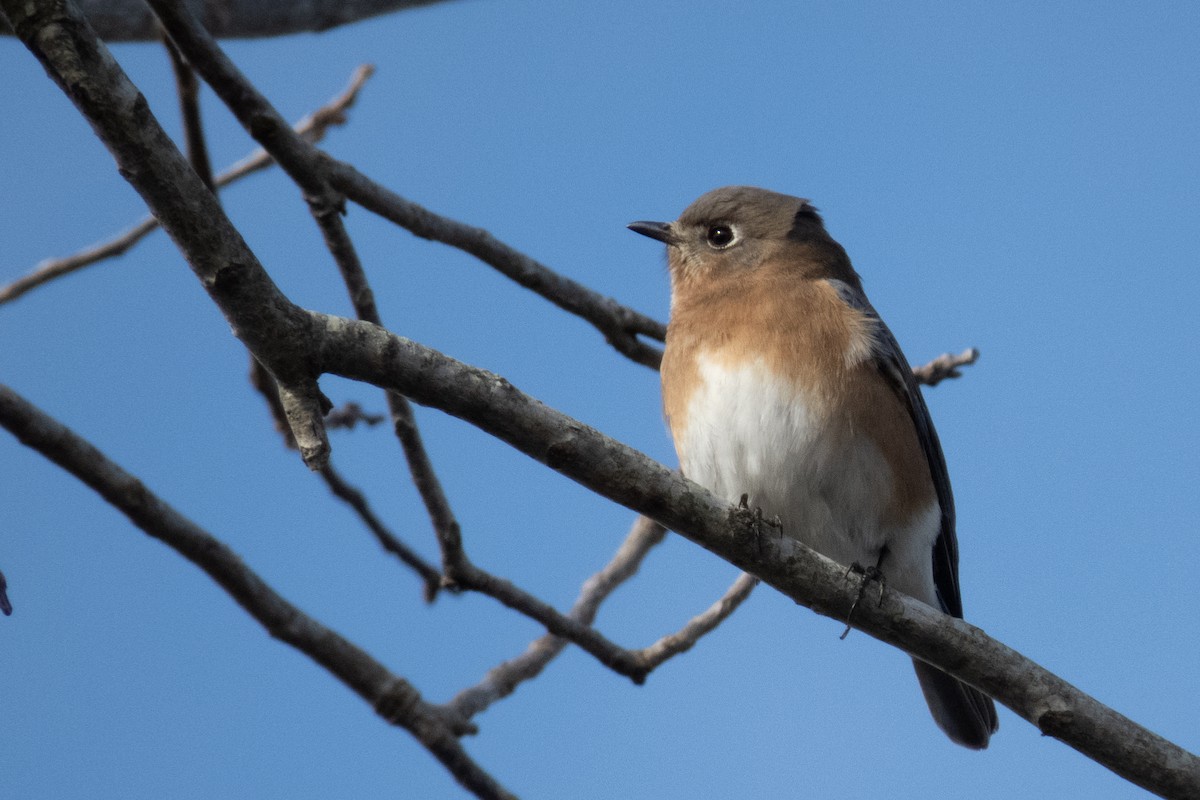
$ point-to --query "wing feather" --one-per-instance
(890, 361)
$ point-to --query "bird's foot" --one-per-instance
(867, 574)
(757, 520)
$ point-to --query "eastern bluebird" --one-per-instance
(780, 382)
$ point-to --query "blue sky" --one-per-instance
(1014, 177)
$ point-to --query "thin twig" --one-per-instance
(621, 326)
(702, 624)
(624, 662)
(503, 679)
(404, 423)
(945, 366)
(349, 415)
(391, 696)
(188, 89)
(262, 381)
(5, 605)
(357, 501)
(313, 128)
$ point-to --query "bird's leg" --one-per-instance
(870, 573)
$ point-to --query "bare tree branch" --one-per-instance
(297, 346)
(391, 696)
(318, 177)
(620, 325)
(357, 501)
(188, 90)
(197, 151)
(700, 625)
(616, 471)
(299, 159)
(350, 415)
(262, 381)
(129, 20)
(503, 679)
(5, 605)
(404, 422)
(313, 128)
(945, 366)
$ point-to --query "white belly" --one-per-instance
(748, 431)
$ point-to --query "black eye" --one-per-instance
(720, 236)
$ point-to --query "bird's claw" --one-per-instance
(868, 574)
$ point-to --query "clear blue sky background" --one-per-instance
(1012, 176)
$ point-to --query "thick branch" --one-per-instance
(627, 477)
(389, 694)
(130, 20)
(190, 214)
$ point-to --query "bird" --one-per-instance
(782, 387)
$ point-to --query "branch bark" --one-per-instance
(131, 21)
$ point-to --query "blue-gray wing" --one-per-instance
(895, 369)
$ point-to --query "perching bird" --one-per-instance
(780, 382)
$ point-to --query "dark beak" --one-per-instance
(655, 230)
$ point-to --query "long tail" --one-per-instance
(967, 715)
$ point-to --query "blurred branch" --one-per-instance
(188, 90)
(945, 366)
(392, 696)
(130, 20)
(700, 625)
(350, 415)
(5, 605)
(313, 128)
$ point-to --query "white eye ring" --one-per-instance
(721, 236)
